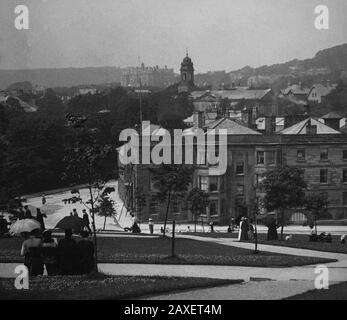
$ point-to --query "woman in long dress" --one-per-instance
(240, 229)
(243, 232)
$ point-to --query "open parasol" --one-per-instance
(71, 222)
(24, 225)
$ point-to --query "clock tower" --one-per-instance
(187, 75)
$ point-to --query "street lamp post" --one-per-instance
(256, 232)
(256, 211)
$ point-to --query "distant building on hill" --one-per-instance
(318, 92)
(84, 91)
(315, 94)
(148, 77)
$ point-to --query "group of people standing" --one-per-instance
(85, 217)
(25, 213)
(246, 230)
(66, 256)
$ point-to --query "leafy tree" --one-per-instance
(336, 100)
(173, 182)
(285, 189)
(316, 205)
(105, 207)
(33, 154)
(86, 162)
(173, 109)
(51, 104)
(140, 200)
(198, 200)
(88, 104)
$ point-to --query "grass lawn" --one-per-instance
(100, 286)
(335, 292)
(214, 235)
(301, 241)
(157, 251)
(298, 241)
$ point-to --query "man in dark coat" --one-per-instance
(3, 225)
(21, 214)
(85, 249)
(68, 259)
(75, 214)
(272, 230)
(244, 226)
(86, 220)
(39, 218)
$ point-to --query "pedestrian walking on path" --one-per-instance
(85, 218)
(40, 218)
(43, 199)
(151, 225)
(244, 228)
(75, 214)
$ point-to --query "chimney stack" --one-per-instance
(247, 117)
(270, 124)
(311, 129)
(198, 119)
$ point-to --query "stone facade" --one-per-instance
(323, 159)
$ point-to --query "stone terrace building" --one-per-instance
(319, 150)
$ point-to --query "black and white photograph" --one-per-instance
(173, 155)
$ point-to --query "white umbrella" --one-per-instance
(24, 225)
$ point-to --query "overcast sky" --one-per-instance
(219, 34)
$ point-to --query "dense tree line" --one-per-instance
(32, 145)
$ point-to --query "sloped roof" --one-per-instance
(239, 93)
(189, 119)
(296, 89)
(322, 90)
(344, 128)
(232, 126)
(332, 115)
(198, 94)
(301, 128)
